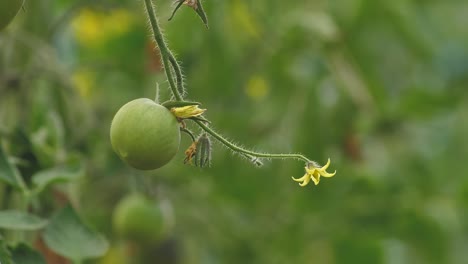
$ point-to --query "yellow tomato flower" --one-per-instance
(313, 172)
(257, 88)
(187, 111)
(93, 28)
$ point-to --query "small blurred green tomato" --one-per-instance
(115, 255)
(139, 220)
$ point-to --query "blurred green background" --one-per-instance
(380, 87)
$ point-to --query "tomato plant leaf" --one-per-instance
(23, 254)
(69, 236)
(18, 220)
(8, 173)
(5, 257)
(57, 174)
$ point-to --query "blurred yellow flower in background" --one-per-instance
(93, 28)
(257, 88)
(84, 81)
(243, 19)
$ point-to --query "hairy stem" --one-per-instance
(178, 73)
(177, 89)
(236, 148)
(166, 54)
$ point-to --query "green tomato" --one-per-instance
(115, 255)
(138, 219)
(8, 11)
(144, 134)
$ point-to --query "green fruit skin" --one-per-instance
(115, 255)
(138, 219)
(145, 134)
(8, 11)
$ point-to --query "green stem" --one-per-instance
(188, 132)
(178, 89)
(166, 54)
(25, 192)
(236, 148)
(19, 179)
(178, 73)
(19, 235)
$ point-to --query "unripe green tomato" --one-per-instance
(144, 134)
(115, 255)
(140, 220)
(8, 11)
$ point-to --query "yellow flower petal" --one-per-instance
(304, 180)
(310, 171)
(300, 179)
(314, 172)
(316, 178)
(187, 111)
(326, 165)
(326, 174)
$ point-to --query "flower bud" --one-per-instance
(203, 153)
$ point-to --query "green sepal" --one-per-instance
(199, 10)
(188, 132)
(179, 4)
(203, 152)
(172, 104)
(201, 13)
(200, 118)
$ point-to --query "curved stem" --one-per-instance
(21, 183)
(169, 61)
(188, 132)
(166, 54)
(236, 148)
(178, 73)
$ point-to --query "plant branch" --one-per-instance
(166, 54)
(236, 148)
(177, 89)
(178, 73)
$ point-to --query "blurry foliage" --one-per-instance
(379, 86)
